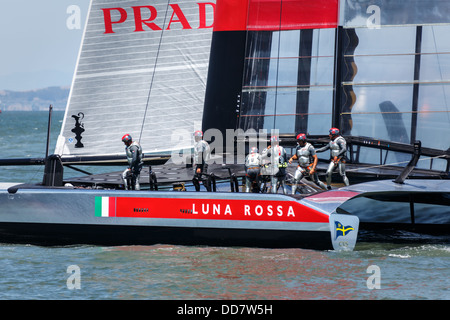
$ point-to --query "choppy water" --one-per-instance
(373, 271)
(179, 272)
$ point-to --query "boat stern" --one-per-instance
(343, 227)
(343, 231)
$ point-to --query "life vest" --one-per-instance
(335, 149)
(130, 154)
(280, 155)
(304, 155)
(201, 147)
(253, 160)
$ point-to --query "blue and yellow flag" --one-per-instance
(342, 230)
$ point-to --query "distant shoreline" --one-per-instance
(9, 111)
(34, 100)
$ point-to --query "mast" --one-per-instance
(50, 109)
(415, 100)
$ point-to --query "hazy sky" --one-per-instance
(39, 42)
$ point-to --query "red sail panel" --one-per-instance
(233, 15)
(309, 14)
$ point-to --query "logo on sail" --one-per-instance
(342, 230)
(204, 19)
(78, 129)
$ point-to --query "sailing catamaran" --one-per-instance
(237, 70)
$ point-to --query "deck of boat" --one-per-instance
(170, 174)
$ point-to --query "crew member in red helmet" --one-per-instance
(305, 153)
(338, 148)
(134, 154)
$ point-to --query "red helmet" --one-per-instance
(198, 133)
(301, 137)
(334, 131)
(126, 138)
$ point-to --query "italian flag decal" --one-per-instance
(105, 206)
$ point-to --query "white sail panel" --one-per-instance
(141, 70)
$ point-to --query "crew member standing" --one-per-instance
(252, 171)
(133, 151)
(305, 153)
(278, 164)
(201, 157)
(338, 148)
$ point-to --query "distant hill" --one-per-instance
(34, 100)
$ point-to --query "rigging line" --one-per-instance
(248, 52)
(278, 65)
(393, 164)
(154, 71)
(394, 112)
(35, 173)
(440, 70)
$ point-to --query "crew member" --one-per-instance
(338, 148)
(305, 153)
(278, 164)
(201, 157)
(134, 154)
(252, 170)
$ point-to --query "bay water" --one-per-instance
(374, 271)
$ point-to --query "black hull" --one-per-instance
(72, 234)
(404, 233)
(107, 235)
(431, 229)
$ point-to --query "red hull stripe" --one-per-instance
(274, 15)
(211, 209)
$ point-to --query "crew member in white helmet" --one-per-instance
(201, 157)
(252, 170)
(278, 164)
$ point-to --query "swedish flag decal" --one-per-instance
(342, 230)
